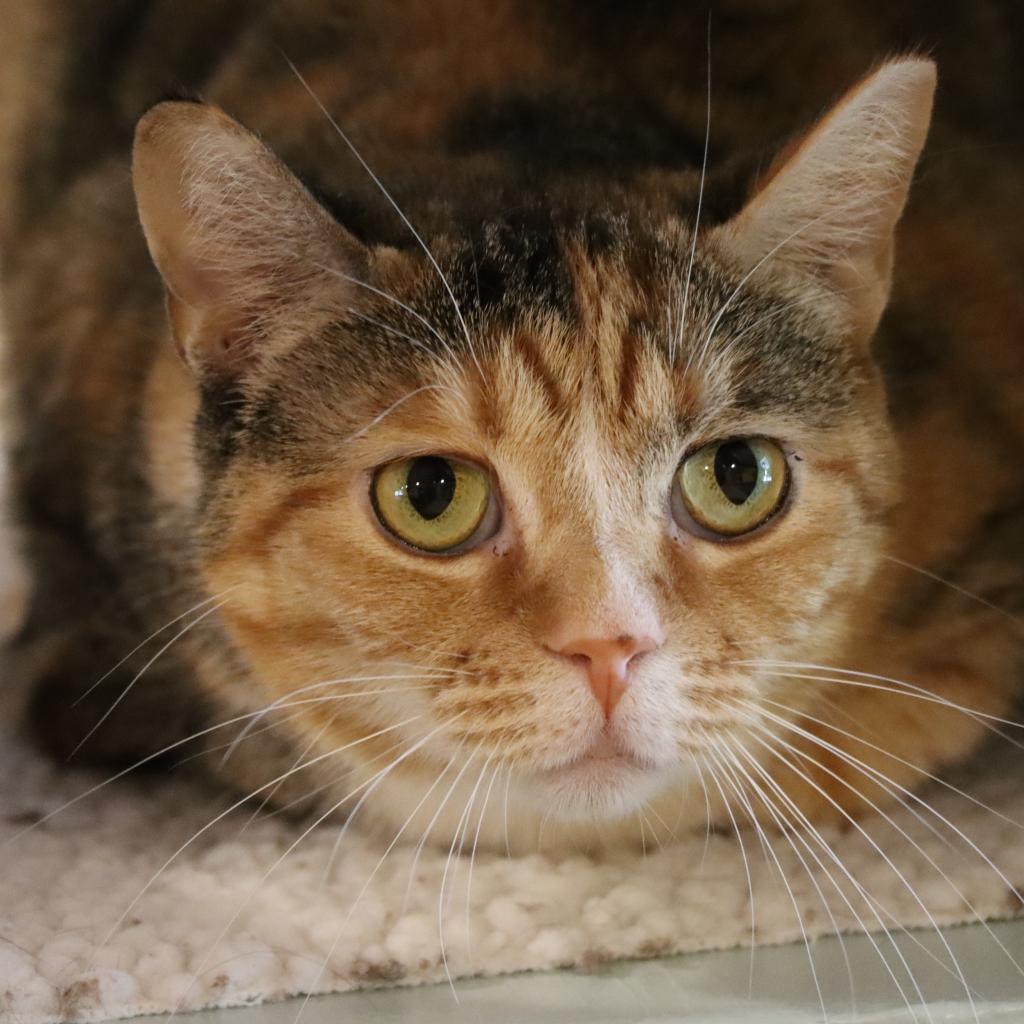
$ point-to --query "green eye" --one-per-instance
(730, 488)
(431, 502)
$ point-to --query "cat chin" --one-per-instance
(596, 788)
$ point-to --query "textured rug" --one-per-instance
(104, 913)
(99, 920)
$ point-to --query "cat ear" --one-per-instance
(829, 205)
(240, 243)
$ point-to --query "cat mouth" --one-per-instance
(604, 749)
(604, 778)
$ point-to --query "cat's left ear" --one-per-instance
(247, 254)
(827, 209)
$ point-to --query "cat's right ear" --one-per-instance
(826, 210)
(245, 251)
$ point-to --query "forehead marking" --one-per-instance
(623, 600)
(530, 356)
(629, 368)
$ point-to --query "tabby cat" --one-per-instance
(503, 426)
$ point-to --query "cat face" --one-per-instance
(550, 520)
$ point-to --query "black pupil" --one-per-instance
(736, 470)
(430, 485)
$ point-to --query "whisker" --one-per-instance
(152, 636)
(888, 784)
(377, 780)
(330, 784)
(269, 727)
(773, 749)
(707, 809)
(508, 786)
(391, 408)
(717, 319)
(430, 827)
(117, 776)
(352, 311)
(142, 671)
(781, 823)
(930, 776)
(472, 858)
(374, 780)
(334, 272)
(785, 881)
(956, 587)
(899, 687)
(700, 202)
(341, 931)
(387, 195)
(398, 835)
(283, 702)
(670, 832)
(300, 757)
(872, 903)
(763, 840)
(461, 826)
(238, 803)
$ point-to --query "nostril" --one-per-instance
(622, 649)
(632, 659)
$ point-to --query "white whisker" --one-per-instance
(142, 762)
(872, 903)
(960, 590)
(398, 835)
(678, 338)
(707, 809)
(334, 272)
(782, 822)
(459, 837)
(430, 827)
(371, 782)
(397, 404)
(152, 636)
(889, 785)
(746, 863)
(508, 786)
(142, 671)
(773, 749)
(472, 858)
(387, 195)
(785, 881)
(887, 685)
(238, 803)
(717, 319)
(930, 776)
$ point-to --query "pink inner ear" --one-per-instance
(192, 283)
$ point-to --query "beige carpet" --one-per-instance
(103, 914)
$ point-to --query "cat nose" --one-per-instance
(607, 662)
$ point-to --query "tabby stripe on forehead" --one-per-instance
(531, 357)
(629, 368)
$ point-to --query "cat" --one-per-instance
(451, 412)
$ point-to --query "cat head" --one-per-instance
(545, 495)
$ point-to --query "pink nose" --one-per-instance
(607, 663)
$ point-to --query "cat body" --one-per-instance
(482, 234)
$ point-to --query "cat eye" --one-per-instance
(434, 503)
(730, 488)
